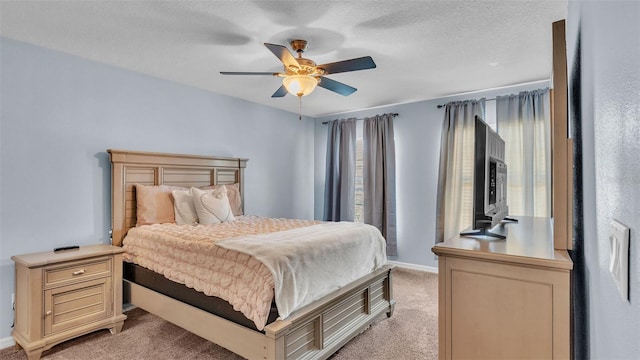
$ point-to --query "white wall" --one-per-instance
(610, 106)
(417, 137)
(61, 113)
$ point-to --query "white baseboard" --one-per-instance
(6, 342)
(404, 265)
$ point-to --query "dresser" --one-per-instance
(504, 299)
(65, 294)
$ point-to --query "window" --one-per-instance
(466, 209)
(359, 203)
(524, 162)
(490, 114)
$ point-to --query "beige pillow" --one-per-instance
(154, 204)
(212, 207)
(185, 211)
(235, 198)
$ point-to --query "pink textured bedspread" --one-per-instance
(189, 255)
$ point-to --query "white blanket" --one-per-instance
(309, 263)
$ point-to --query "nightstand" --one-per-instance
(62, 295)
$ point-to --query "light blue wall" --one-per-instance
(417, 137)
(610, 75)
(59, 114)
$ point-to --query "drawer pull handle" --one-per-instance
(79, 272)
(48, 313)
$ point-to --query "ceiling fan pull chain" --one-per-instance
(300, 111)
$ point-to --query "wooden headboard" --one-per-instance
(147, 168)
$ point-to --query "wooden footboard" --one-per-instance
(313, 332)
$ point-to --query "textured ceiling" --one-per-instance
(423, 49)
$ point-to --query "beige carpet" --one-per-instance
(412, 333)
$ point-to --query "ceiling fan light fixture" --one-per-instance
(300, 85)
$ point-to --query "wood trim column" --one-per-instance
(561, 146)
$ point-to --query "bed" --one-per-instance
(314, 331)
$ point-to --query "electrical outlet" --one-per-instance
(619, 257)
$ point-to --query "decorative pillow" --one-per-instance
(212, 207)
(184, 208)
(235, 198)
(154, 204)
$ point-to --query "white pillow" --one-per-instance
(184, 208)
(233, 193)
(212, 208)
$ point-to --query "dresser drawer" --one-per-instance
(72, 272)
(70, 306)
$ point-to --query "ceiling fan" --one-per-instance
(301, 76)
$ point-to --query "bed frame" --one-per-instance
(313, 332)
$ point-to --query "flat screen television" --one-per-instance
(489, 182)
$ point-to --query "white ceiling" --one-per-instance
(423, 49)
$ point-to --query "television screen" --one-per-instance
(489, 182)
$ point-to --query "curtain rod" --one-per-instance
(392, 114)
(443, 105)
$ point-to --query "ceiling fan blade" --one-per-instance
(362, 63)
(283, 54)
(247, 73)
(282, 91)
(336, 86)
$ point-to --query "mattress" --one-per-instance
(251, 261)
(211, 304)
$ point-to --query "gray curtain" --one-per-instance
(456, 160)
(339, 189)
(379, 177)
(524, 124)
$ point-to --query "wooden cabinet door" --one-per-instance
(68, 307)
(501, 311)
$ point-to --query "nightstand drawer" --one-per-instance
(74, 305)
(79, 270)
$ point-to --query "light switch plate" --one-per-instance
(619, 256)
